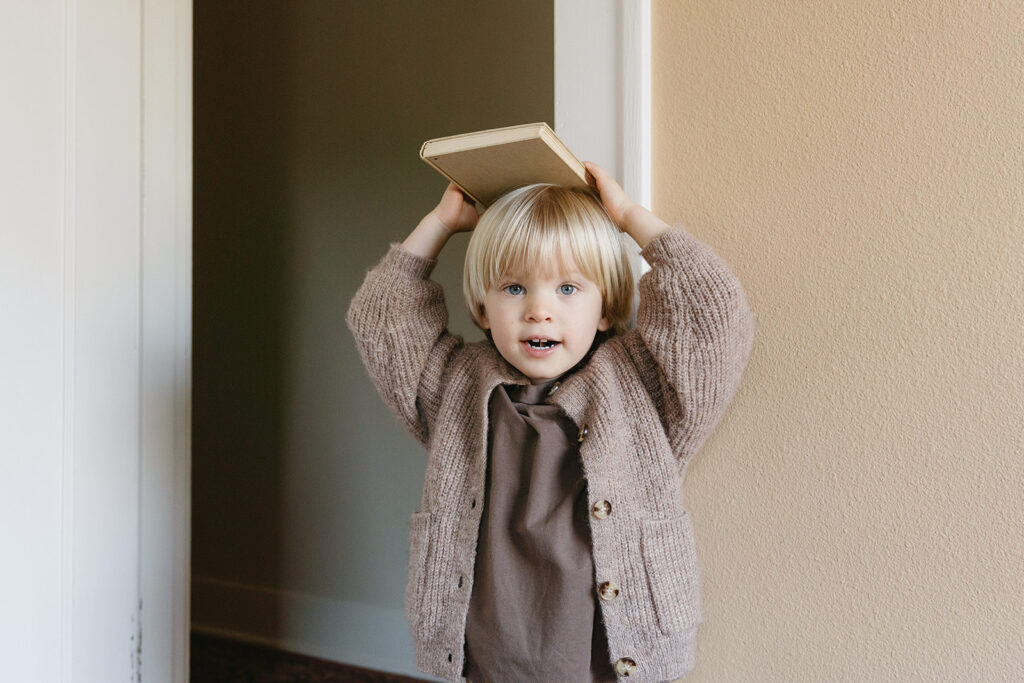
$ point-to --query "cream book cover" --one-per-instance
(486, 164)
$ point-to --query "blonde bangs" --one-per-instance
(548, 227)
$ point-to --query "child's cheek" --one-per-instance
(507, 351)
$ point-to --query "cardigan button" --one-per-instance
(625, 666)
(609, 590)
(554, 388)
(601, 509)
(583, 433)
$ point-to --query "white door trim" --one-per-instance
(166, 340)
(603, 87)
(101, 340)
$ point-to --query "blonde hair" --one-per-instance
(544, 225)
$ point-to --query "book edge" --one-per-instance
(442, 146)
(563, 151)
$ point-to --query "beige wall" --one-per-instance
(861, 166)
(309, 118)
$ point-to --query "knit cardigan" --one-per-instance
(644, 403)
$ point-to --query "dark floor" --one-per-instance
(215, 660)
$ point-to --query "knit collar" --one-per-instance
(572, 386)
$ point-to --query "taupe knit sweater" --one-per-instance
(645, 403)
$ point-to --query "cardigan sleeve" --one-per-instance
(399, 320)
(695, 321)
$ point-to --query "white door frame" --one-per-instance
(165, 447)
(95, 313)
(148, 203)
(603, 87)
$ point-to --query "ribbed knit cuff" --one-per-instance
(675, 244)
(407, 263)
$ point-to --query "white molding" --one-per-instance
(101, 340)
(67, 246)
(95, 254)
(603, 92)
(165, 363)
(335, 630)
(603, 86)
(587, 86)
(636, 99)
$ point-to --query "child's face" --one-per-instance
(563, 307)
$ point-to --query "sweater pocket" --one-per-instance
(670, 560)
(419, 543)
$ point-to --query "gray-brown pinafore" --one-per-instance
(533, 614)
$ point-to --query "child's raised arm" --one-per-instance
(694, 321)
(454, 213)
(398, 317)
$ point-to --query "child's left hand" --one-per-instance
(614, 198)
(630, 217)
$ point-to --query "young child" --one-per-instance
(551, 542)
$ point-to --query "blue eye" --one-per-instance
(514, 290)
(567, 289)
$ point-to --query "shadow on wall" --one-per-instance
(240, 224)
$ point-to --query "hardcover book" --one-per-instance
(488, 163)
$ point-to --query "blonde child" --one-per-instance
(551, 542)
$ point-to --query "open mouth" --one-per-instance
(539, 347)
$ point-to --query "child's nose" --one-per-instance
(538, 309)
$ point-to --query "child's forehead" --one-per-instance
(550, 267)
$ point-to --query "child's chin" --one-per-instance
(541, 371)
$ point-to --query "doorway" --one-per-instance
(308, 119)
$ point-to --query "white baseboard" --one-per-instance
(347, 632)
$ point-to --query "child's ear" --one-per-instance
(484, 325)
(603, 325)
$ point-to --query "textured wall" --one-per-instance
(861, 165)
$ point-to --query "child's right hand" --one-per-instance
(456, 211)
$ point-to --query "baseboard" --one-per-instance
(348, 632)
